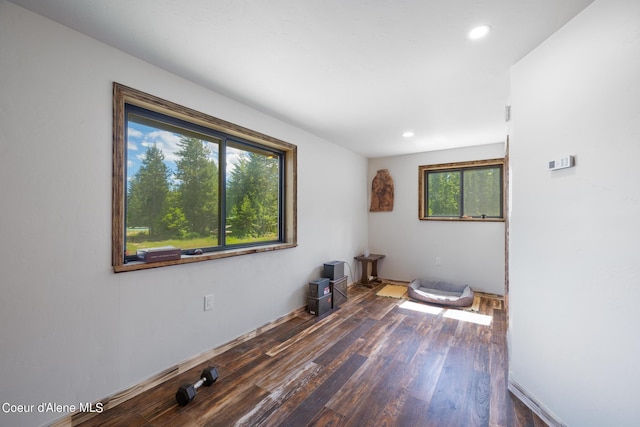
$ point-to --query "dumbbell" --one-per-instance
(187, 392)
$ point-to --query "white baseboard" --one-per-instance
(539, 409)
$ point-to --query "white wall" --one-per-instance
(71, 330)
(574, 257)
(471, 252)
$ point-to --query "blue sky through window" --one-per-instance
(140, 137)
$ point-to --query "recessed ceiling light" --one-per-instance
(479, 32)
(408, 134)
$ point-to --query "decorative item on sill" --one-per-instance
(159, 254)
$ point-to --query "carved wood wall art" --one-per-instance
(382, 192)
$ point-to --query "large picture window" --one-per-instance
(462, 191)
(184, 180)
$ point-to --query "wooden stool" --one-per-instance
(371, 259)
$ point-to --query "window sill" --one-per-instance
(462, 219)
(188, 259)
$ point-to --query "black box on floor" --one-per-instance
(319, 288)
(339, 291)
(319, 306)
(334, 270)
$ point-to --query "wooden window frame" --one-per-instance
(468, 165)
(122, 96)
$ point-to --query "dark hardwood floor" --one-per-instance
(370, 362)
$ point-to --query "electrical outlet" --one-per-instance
(438, 261)
(208, 302)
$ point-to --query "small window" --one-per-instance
(188, 181)
(462, 191)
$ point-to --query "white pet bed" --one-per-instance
(440, 292)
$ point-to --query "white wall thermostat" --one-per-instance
(562, 163)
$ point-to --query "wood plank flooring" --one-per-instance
(369, 363)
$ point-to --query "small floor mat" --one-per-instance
(393, 291)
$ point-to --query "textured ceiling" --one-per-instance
(355, 72)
